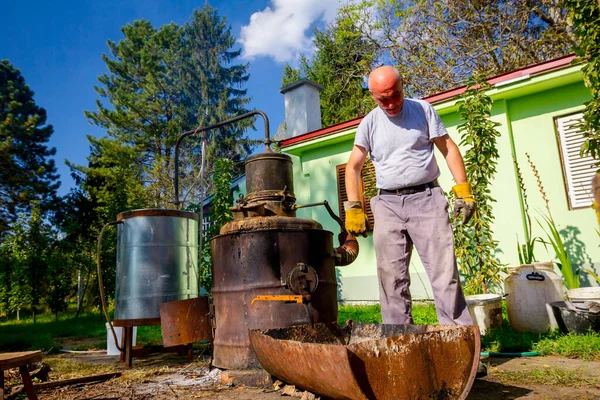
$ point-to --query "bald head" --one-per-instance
(384, 78)
(385, 85)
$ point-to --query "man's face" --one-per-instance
(390, 99)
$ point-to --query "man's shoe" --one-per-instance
(481, 370)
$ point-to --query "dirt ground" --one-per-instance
(169, 376)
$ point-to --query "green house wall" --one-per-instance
(526, 111)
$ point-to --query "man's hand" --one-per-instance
(464, 203)
(356, 219)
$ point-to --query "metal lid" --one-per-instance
(157, 212)
(265, 155)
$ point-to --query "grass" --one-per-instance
(423, 313)
(505, 339)
(48, 334)
(553, 376)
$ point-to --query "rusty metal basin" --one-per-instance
(371, 361)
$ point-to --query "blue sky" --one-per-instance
(58, 45)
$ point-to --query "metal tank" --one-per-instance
(157, 262)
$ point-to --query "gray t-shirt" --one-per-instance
(401, 146)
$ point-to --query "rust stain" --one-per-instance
(371, 361)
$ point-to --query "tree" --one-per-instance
(216, 87)
(438, 44)
(27, 173)
(165, 81)
(342, 60)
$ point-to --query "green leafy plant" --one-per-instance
(474, 242)
(569, 272)
(525, 250)
(584, 16)
(220, 214)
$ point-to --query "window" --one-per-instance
(578, 171)
(364, 186)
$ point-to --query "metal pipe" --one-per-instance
(101, 285)
(329, 210)
(207, 128)
(348, 250)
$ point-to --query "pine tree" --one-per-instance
(27, 172)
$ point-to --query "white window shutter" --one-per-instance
(579, 171)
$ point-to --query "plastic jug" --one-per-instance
(530, 288)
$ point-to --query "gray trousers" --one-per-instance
(419, 219)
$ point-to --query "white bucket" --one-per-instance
(111, 348)
(530, 288)
(584, 294)
(486, 310)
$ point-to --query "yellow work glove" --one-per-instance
(464, 203)
(356, 219)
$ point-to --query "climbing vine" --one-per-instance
(474, 242)
(220, 214)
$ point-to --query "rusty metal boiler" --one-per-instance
(271, 269)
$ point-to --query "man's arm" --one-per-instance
(453, 158)
(464, 203)
(353, 172)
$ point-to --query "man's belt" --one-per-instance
(409, 189)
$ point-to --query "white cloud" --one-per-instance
(282, 31)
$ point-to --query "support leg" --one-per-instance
(123, 344)
(27, 383)
(189, 352)
(128, 345)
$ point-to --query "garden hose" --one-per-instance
(517, 354)
(101, 285)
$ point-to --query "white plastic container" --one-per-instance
(584, 294)
(486, 311)
(530, 289)
(111, 349)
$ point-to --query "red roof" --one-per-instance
(531, 70)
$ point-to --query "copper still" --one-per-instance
(269, 268)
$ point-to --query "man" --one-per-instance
(410, 207)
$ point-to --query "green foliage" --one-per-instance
(525, 250)
(24, 264)
(474, 242)
(28, 174)
(162, 82)
(570, 277)
(437, 45)
(342, 60)
(585, 17)
(290, 75)
(220, 214)
(569, 272)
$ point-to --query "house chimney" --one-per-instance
(302, 107)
